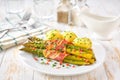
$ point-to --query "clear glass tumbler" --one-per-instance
(14, 6)
(44, 9)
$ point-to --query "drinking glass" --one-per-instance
(44, 9)
(14, 6)
(82, 3)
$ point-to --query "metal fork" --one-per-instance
(24, 20)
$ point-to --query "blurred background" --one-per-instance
(102, 5)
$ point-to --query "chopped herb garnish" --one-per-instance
(53, 65)
(41, 59)
(63, 65)
(42, 62)
(55, 62)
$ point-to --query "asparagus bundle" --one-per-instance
(70, 48)
(85, 57)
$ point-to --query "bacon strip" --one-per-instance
(53, 54)
(56, 45)
(61, 57)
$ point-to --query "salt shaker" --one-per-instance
(76, 9)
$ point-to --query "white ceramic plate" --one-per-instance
(60, 70)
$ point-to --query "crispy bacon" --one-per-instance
(55, 49)
(56, 45)
(56, 55)
(61, 56)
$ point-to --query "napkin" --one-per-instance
(19, 36)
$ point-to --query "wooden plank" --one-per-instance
(12, 68)
(97, 74)
(40, 76)
(112, 62)
(2, 54)
(28, 73)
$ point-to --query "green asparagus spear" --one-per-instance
(78, 53)
(35, 39)
(71, 46)
(38, 52)
(79, 59)
(76, 62)
(34, 44)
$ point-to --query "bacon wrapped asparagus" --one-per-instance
(59, 50)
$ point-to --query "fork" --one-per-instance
(24, 20)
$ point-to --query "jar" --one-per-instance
(64, 12)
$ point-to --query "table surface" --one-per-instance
(12, 69)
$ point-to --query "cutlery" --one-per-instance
(24, 20)
(26, 17)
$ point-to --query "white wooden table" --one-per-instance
(12, 69)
